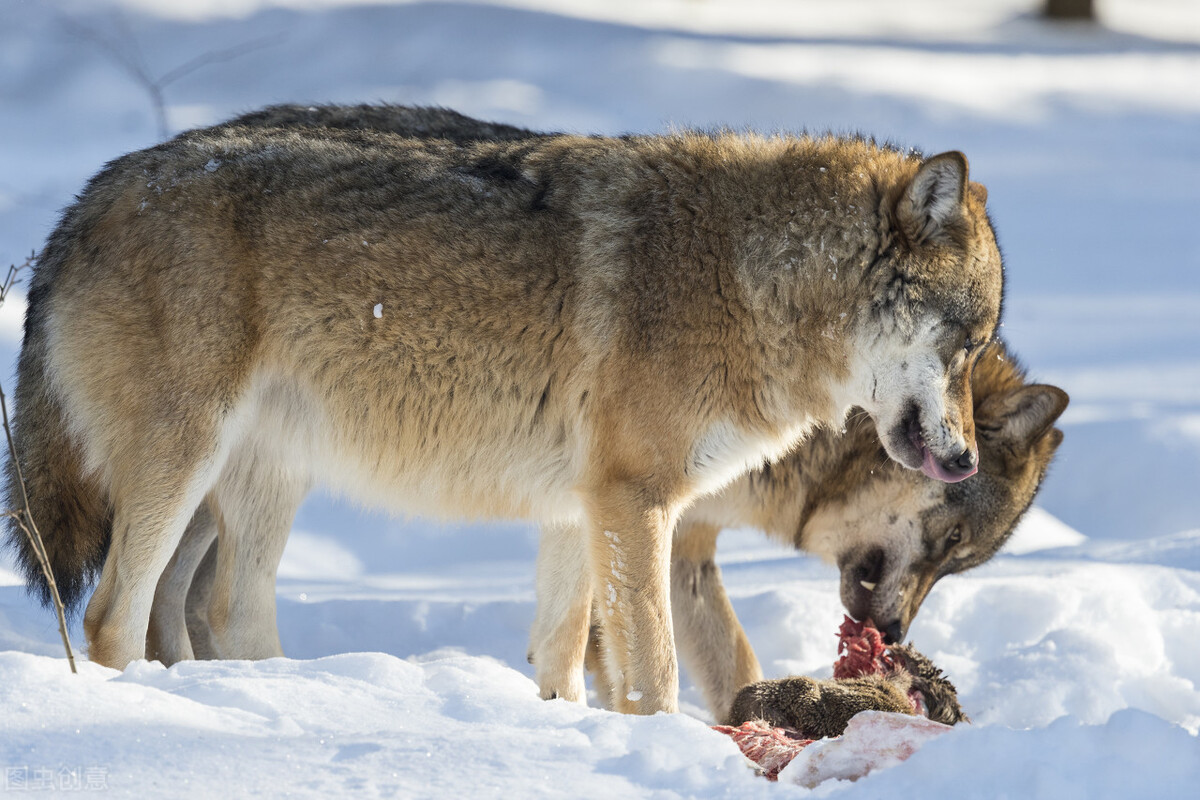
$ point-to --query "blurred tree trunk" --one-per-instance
(1069, 9)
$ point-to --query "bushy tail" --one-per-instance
(70, 509)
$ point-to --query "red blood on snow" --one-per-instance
(771, 748)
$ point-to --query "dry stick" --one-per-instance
(35, 537)
(22, 516)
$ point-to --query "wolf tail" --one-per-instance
(71, 509)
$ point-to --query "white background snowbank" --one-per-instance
(1077, 652)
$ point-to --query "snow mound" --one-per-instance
(1040, 530)
(1063, 761)
(359, 724)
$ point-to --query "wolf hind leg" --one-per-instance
(255, 503)
(150, 513)
(196, 606)
(564, 601)
(168, 639)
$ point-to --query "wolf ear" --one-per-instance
(1025, 415)
(934, 197)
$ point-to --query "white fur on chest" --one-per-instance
(726, 451)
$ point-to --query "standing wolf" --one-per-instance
(587, 332)
(891, 532)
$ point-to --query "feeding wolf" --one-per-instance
(587, 332)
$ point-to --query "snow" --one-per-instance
(1076, 651)
(1039, 530)
(364, 724)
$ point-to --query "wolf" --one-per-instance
(833, 496)
(588, 332)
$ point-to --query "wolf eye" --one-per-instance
(968, 346)
(955, 535)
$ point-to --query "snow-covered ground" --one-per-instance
(1077, 652)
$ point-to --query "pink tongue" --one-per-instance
(936, 471)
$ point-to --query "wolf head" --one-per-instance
(893, 533)
(938, 283)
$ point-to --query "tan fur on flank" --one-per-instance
(587, 332)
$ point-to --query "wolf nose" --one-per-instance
(964, 464)
(893, 634)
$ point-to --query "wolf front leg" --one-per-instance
(564, 601)
(711, 642)
(631, 549)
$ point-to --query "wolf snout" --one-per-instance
(893, 633)
(916, 446)
(964, 465)
(960, 465)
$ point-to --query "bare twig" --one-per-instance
(21, 516)
(123, 48)
(11, 279)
